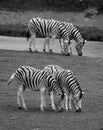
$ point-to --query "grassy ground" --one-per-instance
(14, 23)
(89, 72)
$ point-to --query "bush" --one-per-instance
(68, 5)
(89, 33)
(13, 30)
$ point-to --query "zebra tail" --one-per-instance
(28, 35)
(11, 79)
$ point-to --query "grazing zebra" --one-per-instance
(70, 85)
(44, 27)
(36, 80)
(71, 32)
(48, 28)
(75, 34)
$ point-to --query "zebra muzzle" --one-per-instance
(78, 110)
(80, 54)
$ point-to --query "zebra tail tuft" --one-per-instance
(11, 79)
(28, 35)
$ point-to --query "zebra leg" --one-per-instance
(61, 45)
(69, 104)
(30, 43)
(52, 42)
(44, 47)
(20, 98)
(65, 48)
(68, 97)
(47, 40)
(52, 101)
(42, 105)
(48, 44)
(66, 102)
(33, 43)
(70, 48)
(33, 37)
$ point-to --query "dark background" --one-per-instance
(68, 5)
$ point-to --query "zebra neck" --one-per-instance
(76, 35)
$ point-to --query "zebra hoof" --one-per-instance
(19, 107)
(42, 110)
(25, 109)
(54, 110)
(50, 50)
(36, 51)
(79, 110)
(68, 54)
(60, 110)
(80, 54)
(44, 50)
(30, 50)
(66, 110)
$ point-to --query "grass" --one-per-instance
(89, 72)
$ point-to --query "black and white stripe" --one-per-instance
(69, 32)
(70, 85)
(51, 28)
(48, 28)
(36, 80)
(75, 34)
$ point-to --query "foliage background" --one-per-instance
(67, 5)
(60, 6)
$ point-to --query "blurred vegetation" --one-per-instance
(89, 33)
(60, 5)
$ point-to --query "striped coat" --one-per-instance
(70, 85)
(36, 80)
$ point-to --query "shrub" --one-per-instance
(89, 33)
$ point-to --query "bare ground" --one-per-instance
(89, 72)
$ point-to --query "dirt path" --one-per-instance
(91, 49)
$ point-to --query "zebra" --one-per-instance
(70, 32)
(70, 85)
(44, 27)
(36, 80)
(75, 34)
(49, 28)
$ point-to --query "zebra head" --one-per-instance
(76, 35)
(80, 44)
(77, 100)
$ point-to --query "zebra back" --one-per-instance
(43, 27)
(65, 78)
(54, 69)
(31, 78)
(71, 83)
